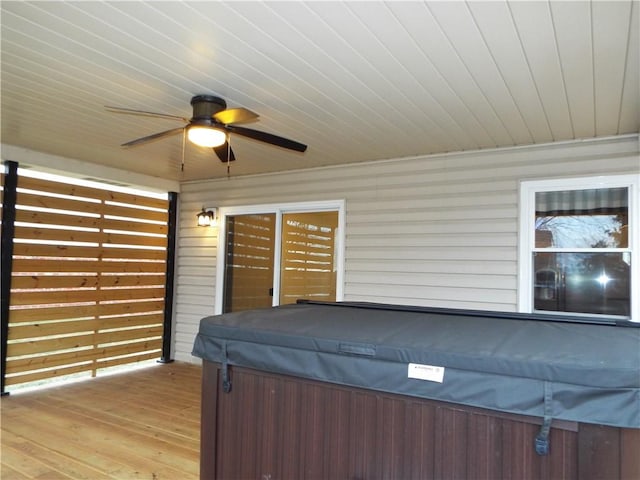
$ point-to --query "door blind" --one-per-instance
(88, 280)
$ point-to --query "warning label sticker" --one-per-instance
(430, 373)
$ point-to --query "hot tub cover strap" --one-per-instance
(226, 378)
(542, 439)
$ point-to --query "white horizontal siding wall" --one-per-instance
(438, 230)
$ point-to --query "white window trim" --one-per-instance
(279, 209)
(528, 189)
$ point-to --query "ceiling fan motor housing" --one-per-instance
(205, 107)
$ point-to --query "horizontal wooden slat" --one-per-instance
(32, 347)
(52, 235)
(307, 283)
(138, 240)
(130, 321)
(60, 188)
(78, 251)
(129, 226)
(43, 329)
(237, 261)
(300, 258)
(149, 215)
(139, 200)
(50, 218)
(78, 281)
(131, 280)
(113, 362)
(53, 281)
(308, 247)
(41, 250)
(255, 241)
(130, 334)
(132, 293)
(247, 249)
(58, 372)
(43, 297)
(85, 266)
(58, 219)
(83, 311)
(52, 313)
(133, 253)
(89, 192)
(22, 332)
(129, 348)
(38, 201)
(27, 364)
(131, 308)
(19, 365)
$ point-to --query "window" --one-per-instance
(579, 245)
(273, 255)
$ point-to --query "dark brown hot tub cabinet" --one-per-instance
(366, 391)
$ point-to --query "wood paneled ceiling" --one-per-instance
(355, 81)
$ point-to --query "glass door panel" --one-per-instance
(249, 261)
(307, 264)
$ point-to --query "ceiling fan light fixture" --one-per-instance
(205, 136)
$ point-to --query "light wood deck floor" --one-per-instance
(139, 425)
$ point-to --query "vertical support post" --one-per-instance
(6, 257)
(169, 278)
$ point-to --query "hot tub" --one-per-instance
(355, 391)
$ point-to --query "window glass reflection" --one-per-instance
(594, 283)
(597, 231)
(594, 218)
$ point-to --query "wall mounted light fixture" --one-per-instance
(207, 218)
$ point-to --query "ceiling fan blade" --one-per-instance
(131, 111)
(224, 152)
(155, 136)
(267, 138)
(235, 115)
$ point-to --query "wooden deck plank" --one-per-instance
(143, 424)
(122, 439)
(8, 473)
(70, 447)
(28, 466)
(61, 463)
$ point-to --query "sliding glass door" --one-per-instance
(277, 257)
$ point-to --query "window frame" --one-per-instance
(279, 209)
(526, 244)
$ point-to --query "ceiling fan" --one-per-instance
(210, 126)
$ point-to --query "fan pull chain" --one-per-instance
(228, 157)
(184, 141)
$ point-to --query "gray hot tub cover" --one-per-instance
(586, 373)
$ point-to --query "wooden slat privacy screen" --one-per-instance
(88, 280)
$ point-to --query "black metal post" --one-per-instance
(228, 270)
(6, 257)
(169, 278)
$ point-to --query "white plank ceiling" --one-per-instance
(355, 81)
